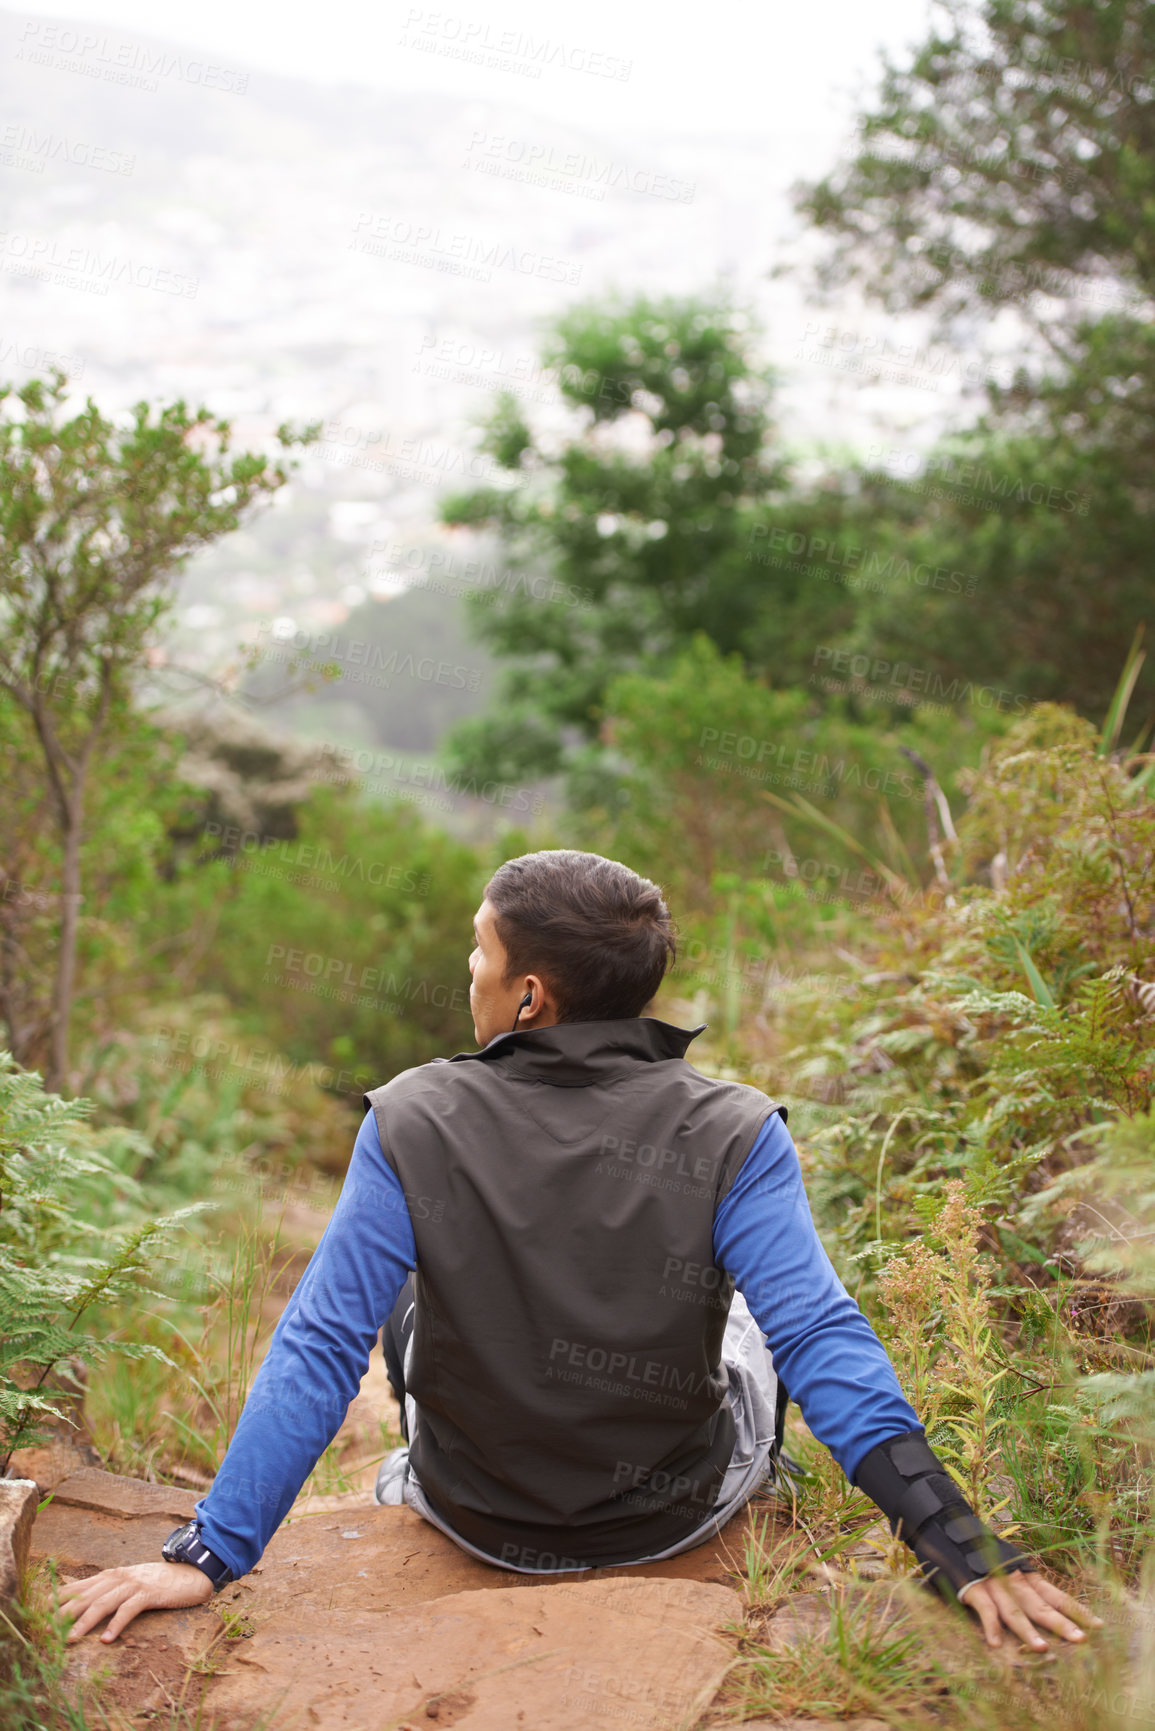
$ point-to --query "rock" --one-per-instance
(18, 1500)
(66, 1441)
(367, 1615)
(808, 1725)
(556, 1657)
(805, 1617)
(49, 1463)
(809, 1616)
(91, 1488)
(98, 1520)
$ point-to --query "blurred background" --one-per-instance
(721, 441)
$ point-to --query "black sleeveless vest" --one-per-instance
(562, 1184)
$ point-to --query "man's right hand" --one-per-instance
(124, 1593)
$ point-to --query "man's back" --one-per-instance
(560, 1184)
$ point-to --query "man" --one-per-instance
(550, 1231)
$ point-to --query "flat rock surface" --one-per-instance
(91, 1488)
(365, 1617)
(550, 1658)
(809, 1725)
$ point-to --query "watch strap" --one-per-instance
(185, 1545)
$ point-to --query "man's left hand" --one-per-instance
(124, 1593)
(1026, 1603)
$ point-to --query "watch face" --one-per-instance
(176, 1541)
(185, 1545)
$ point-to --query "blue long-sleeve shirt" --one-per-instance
(824, 1350)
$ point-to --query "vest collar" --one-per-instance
(578, 1054)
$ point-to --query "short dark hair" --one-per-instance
(599, 934)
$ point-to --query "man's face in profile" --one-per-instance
(492, 1000)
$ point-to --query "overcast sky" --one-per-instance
(730, 65)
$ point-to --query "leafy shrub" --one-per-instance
(75, 1239)
(974, 1120)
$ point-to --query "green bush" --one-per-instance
(974, 1120)
(75, 1239)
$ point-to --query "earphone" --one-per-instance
(528, 999)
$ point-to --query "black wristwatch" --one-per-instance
(185, 1545)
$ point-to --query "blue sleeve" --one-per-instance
(316, 1359)
(826, 1353)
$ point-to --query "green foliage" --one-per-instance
(347, 950)
(133, 804)
(96, 518)
(990, 1081)
(774, 826)
(1009, 166)
(975, 1126)
(75, 1239)
(1050, 522)
(941, 1331)
(639, 515)
(1010, 158)
(889, 1652)
(704, 744)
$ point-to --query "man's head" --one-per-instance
(583, 938)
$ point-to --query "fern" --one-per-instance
(61, 1257)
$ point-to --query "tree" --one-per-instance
(1055, 541)
(626, 535)
(1012, 162)
(96, 519)
(1011, 165)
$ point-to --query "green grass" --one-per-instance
(890, 1651)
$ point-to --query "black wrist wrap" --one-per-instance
(924, 1505)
